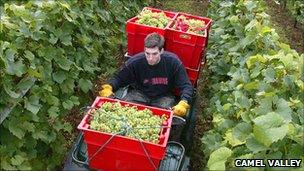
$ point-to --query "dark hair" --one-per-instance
(154, 40)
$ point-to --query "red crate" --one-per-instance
(193, 75)
(189, 47)
(124, 153)
(136, 33)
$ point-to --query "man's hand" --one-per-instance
(106, 91)
(181, 108)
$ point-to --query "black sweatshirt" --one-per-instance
(157, 80)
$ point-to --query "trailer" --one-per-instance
(190, 48)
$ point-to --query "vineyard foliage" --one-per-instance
(256, 88)
(55, 50)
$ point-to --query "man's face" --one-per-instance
(152, 55)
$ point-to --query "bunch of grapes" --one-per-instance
(128, 121)
(189, 25)
(155, 19)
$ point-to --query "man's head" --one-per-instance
(154, 44)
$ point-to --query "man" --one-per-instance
(155, 73)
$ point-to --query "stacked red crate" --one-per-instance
(189, 47)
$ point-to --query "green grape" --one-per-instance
(127, 120)
(155, 19)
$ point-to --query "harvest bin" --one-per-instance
(124, 153)
(136, 33)
(189, 47)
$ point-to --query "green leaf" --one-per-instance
(284, 110)
(67, 127)
(52, 100)
(67, 86)
(241, 100)
(242, 130)
(11, 93)
(85, 85)
(48, 53)
(66, 40)
(10, 54)
(53, 112)
(25, 83)
(28, 126)
(270, 135)
(247, 41)
(269, 75)
(45, 136)
(253, 145)
(266, 29)
(250, 25)
(53, 40)
(250, 5)
(59, 76)
(251, 86)
(253, 59)
(32, 104)
(16, 68)
(68, 104)
(58, 125)
(288, 60)
(269, 120)
(212, 140)
(233, 141)
(218, 159)
(17, 160)
(6, 166)
(75, 100)
(264, 106)
(64, 63)
(15, 129)
(29, 55)
(269, 128)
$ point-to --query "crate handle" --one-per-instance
(183, 36)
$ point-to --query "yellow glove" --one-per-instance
(181, 108)
(106, 91)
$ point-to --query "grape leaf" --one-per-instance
(283, 109)
(253, 145)
(29, 55)
(212, 140)
(269, 75)
(269, 128)
(232, 139)
(85, 85)
(53, 111)
(68, 104)
(15, 129)
(66, 39)
(59, 76)
(250, 5)
(242, 130)
(32, 104)
(64, 63)
(218, 158)
(17, 160)
(67, 86)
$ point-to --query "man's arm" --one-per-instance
(123, 78)
(183, 83)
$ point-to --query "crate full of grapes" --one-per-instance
(125, 136)
(149, 20)
(187, 36)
